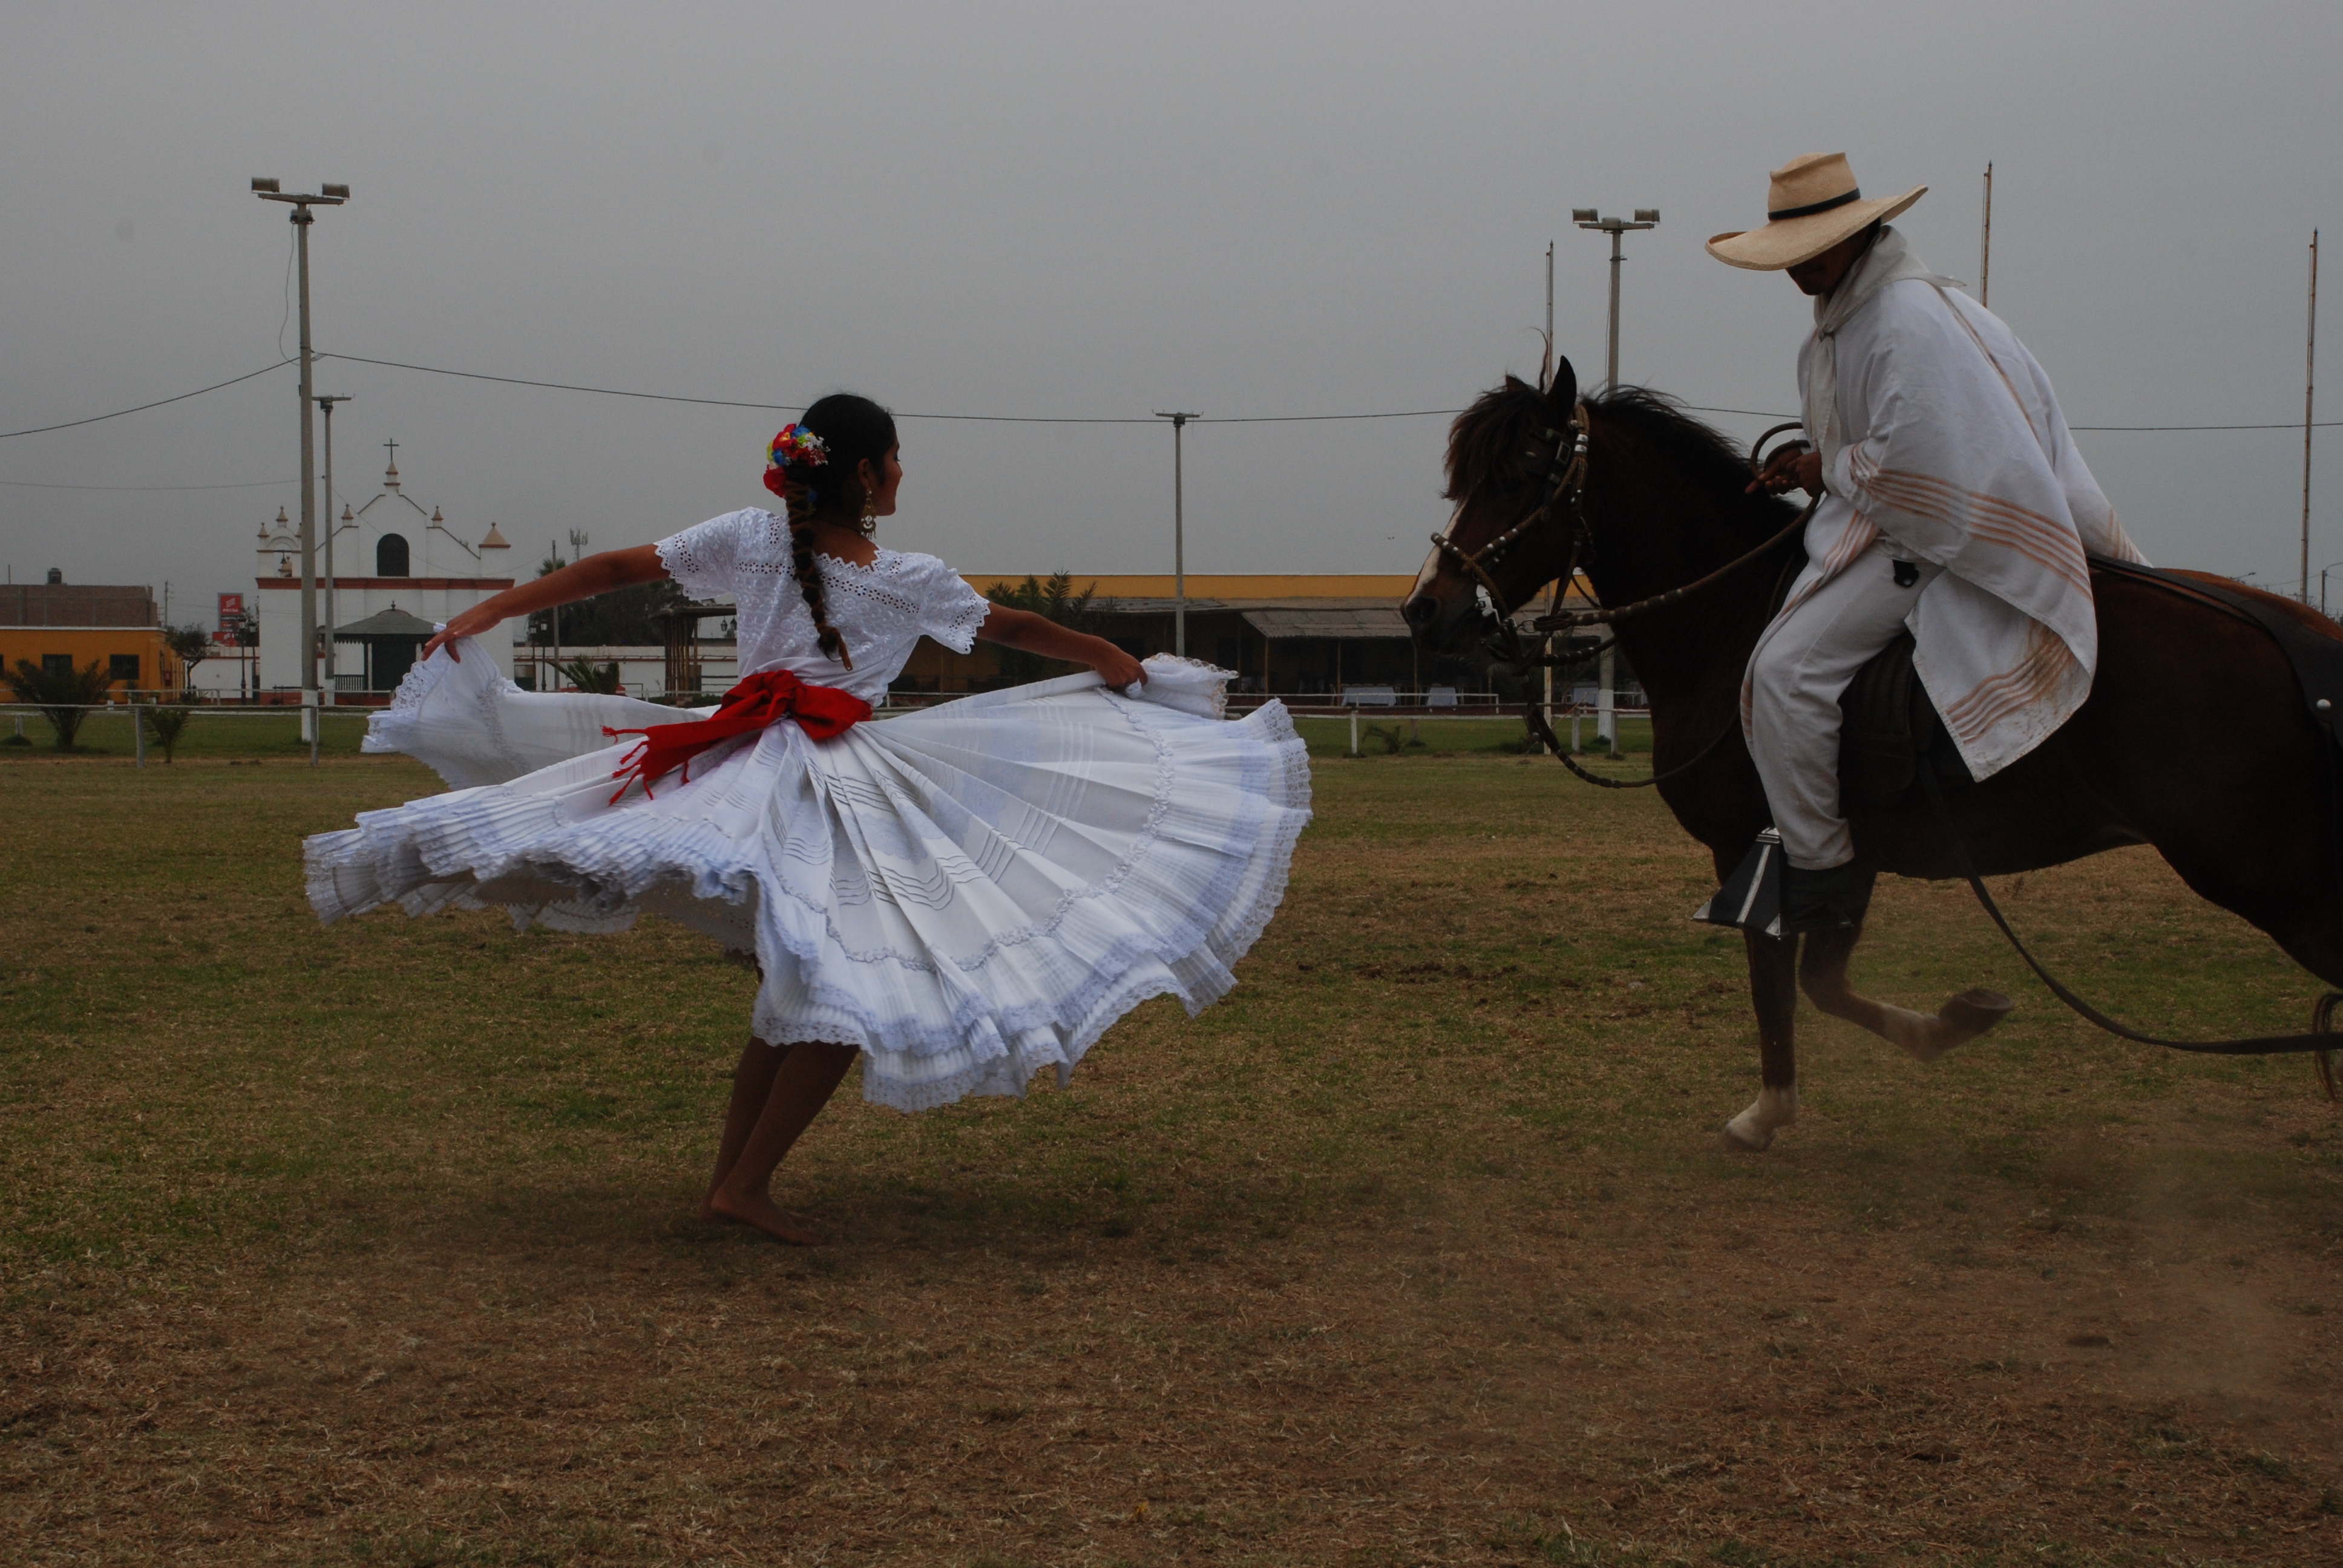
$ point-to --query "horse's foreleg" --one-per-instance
(1773, 990)
(1963, 1017)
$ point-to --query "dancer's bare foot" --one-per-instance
(761, 1212)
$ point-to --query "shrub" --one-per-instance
(166, 722)
(65, 697)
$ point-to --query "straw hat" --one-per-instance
(1813, 203)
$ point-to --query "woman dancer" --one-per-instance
(961, 896)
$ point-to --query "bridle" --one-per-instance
(1566, 483)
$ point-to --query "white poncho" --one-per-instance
(1938, 430)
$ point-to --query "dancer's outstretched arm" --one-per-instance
(1040, 634)
(579, 579)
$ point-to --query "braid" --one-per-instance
(796, 497)
(821, 481)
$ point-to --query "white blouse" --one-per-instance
(881, 609)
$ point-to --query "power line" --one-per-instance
(255, 485)
(725, 402)
(118, 413)
(964, 418)
(2288, 425)
(1315, 418)
(2283, 425)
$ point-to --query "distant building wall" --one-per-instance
(76, 604)
(277, 604)
(135, 657)
(112, 623)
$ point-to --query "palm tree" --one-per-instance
(1052, 600)
(586, 676)
(64, 697)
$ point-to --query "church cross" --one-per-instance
(394, 452)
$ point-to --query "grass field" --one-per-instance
(372, 1244)
(248, 736)
(208, 736)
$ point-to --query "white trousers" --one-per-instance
(1802, 665)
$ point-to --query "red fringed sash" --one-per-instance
(762, 699)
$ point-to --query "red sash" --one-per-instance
(762, 699)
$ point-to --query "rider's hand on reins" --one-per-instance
(1793, 467)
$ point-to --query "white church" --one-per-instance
(395, 569)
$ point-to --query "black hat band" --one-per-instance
(1813, 208)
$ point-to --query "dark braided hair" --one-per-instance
(855, 430)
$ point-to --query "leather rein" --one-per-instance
(1565, 487)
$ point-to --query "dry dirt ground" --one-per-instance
(372, 1244)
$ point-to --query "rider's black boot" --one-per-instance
(1825, 900)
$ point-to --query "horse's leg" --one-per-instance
(1822, 971)
(1774, 989)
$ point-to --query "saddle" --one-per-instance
(1891, 731)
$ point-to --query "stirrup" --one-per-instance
(1751, 898)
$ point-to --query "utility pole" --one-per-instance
(330, 684)
(2309, 400)
(1985, 242)
(1560, 587)
(554, 549)
(1606, 702)
(326, 196)
(578, 540)
(1178, 533)
(1549, 295)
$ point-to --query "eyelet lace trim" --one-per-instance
(881, 609)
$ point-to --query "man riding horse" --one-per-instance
(1955, 504)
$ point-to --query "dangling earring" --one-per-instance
(870, 523)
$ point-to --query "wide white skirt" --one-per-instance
(969, 893)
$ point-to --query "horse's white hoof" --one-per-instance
(1753, 1129)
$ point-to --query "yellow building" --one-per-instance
(58, 625)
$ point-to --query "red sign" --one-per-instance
(231, 610)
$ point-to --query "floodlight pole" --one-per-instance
(325, 195)
(1617, 228)
(331, 681)
(1179, 532)
(1607, 720)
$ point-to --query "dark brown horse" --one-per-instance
(2246, 825)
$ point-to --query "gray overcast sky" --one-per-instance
(1095, 210)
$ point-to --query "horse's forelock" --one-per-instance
(1488, 442)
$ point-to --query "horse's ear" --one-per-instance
(1562, 387)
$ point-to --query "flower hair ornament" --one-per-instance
(794, 445)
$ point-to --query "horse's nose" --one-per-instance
(1420, 611)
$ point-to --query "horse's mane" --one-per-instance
(1490, 442)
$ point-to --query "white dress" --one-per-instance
(969, 893)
